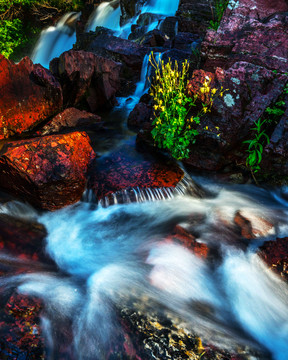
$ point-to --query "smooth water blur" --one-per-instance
(105, 255)
(55, 40)
(105, 15)
(163, 7)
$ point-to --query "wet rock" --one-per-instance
(126, 169)
(147, 18)
(253, 27)
(186, 42)
(129, 53)
(275, 254)
(29, 94)
(154, 38)
(195, 16)
(88, 78)
(129, 9)
(21, 238)
(49, 172)
(140, 117)
(252, 225)
(71, 118)
(185, 238)
(20, 330)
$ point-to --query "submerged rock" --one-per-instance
(49, 172)
(29, 94)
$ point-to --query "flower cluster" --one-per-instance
(174, 129)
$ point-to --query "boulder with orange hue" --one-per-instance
(29, 94)
(71, 118)
(275, 254)
(87, 78)
(199, 78)
(48, 172)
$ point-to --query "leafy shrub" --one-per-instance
(173, 129)
(18, 29)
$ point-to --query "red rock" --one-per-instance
(22, 239)
(20, 329)
(125, 168)
(252, 225)
(48, 172)
(87, 77)
(199, 77)
(29, 94)
(254, 31)
(70, 118)
(275, 254)
(183, 237)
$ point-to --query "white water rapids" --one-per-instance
(106, 254)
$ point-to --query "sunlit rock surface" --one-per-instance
(29, 94)
(87, 78)
(49, 172)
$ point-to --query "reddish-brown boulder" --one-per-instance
(48, 172)
(71, 118)
(29, 94)
(254, 31)
(125, 169)
(275, 254)
(87, 77)
(253, 225)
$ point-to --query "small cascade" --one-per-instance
(107, 14)
(141, 85)
(55, 40)
(186, 186)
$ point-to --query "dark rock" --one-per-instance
(195, 16)
(245, 32)
(146, 19)
(29, 94)
(154, 38)
(87, 77)
(140, 117)
(71, 118)
(49, 172)
(275, 254)
(129, 9)
(186, 42)
(130, 54)
(169, 26)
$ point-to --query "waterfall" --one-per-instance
(163, 7)
(105, 15)
(55, 40)
(141, 85)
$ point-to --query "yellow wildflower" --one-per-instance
(179, 101)
(207, 89)
(214, 91)
(202, 90)
(163, 108)
(205, 110)
(206, 128)
(217, 128)
(155, 107)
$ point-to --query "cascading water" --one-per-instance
(105, 255)
(107, 14)
(163, 7)
(55, 40)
